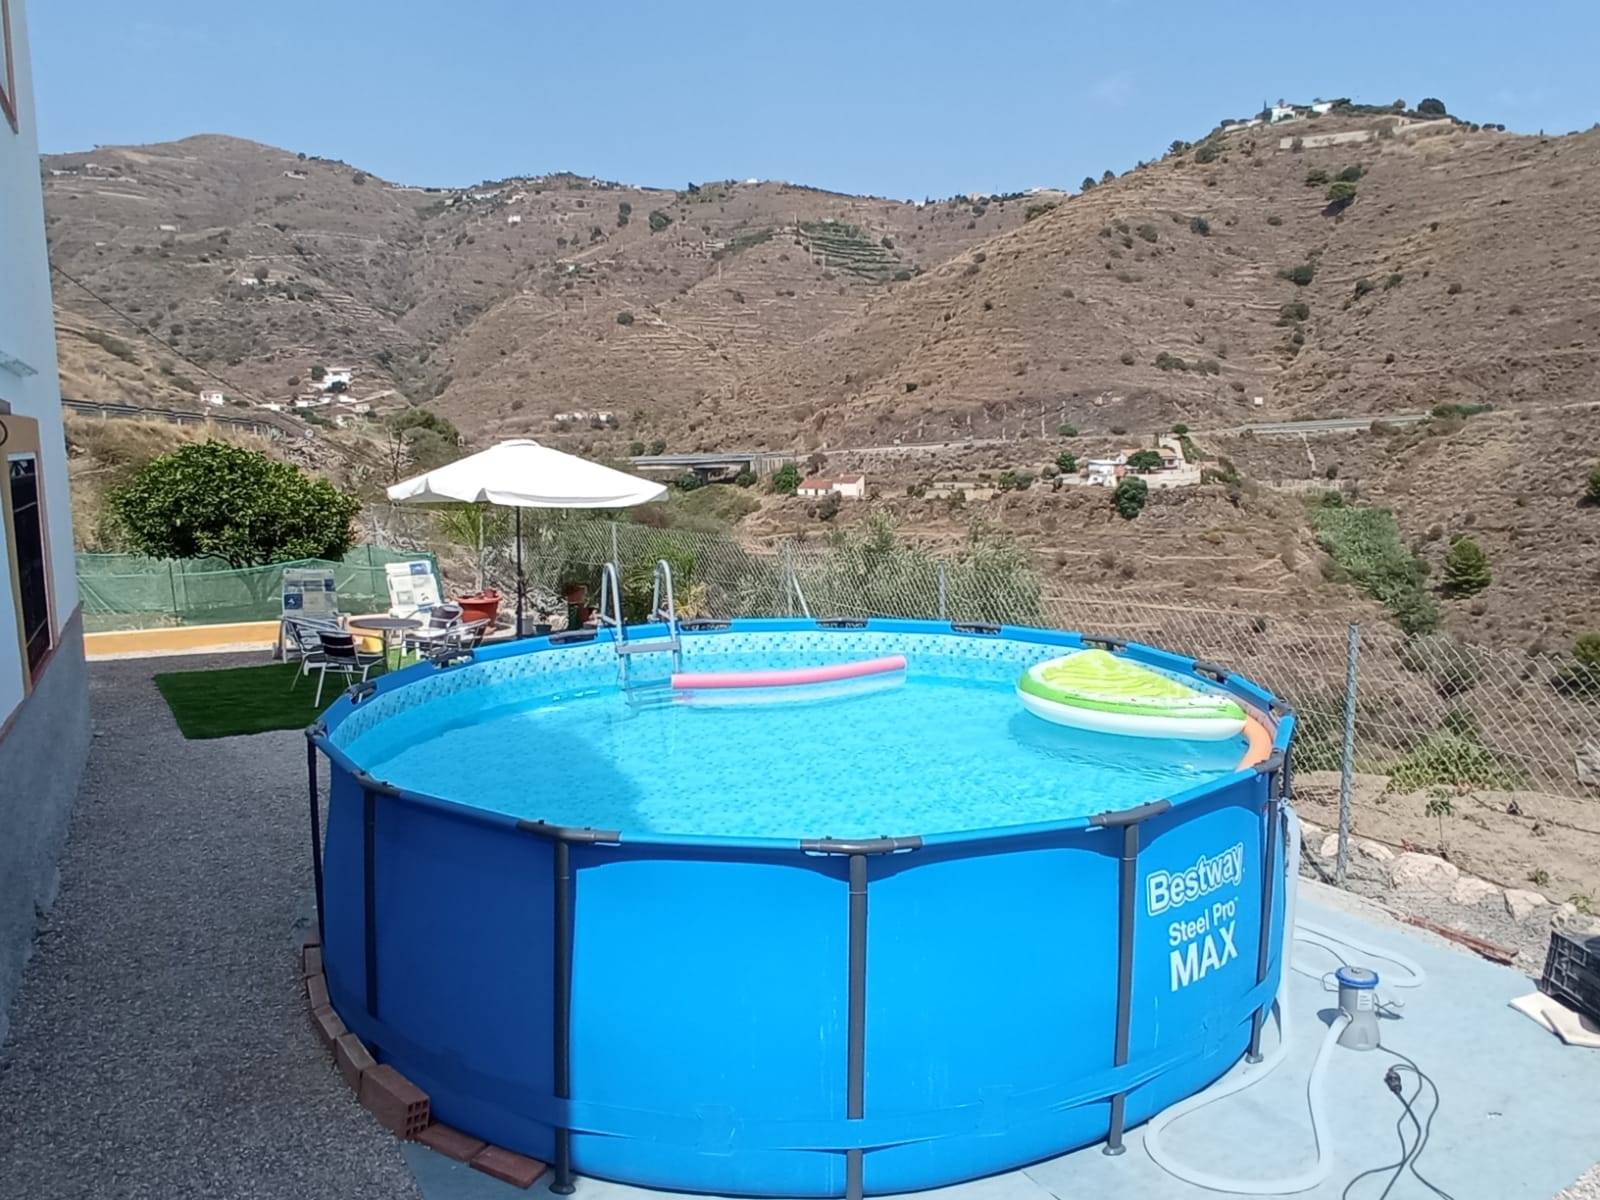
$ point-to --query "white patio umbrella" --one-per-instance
(520, 474)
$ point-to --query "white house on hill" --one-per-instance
(44, 693)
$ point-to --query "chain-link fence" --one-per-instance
(1488, 757)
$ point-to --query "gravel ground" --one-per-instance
(159, 1046)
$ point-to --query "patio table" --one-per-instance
(387, 628)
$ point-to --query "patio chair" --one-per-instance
(338, 653)
(441, 619)
(467, 635)
(299, 641)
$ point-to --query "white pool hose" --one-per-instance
(1316, 935)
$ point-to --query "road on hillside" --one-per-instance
(1318, 425)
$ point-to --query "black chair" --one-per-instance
(340, 655)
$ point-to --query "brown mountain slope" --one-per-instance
(1466, 269)
(499, 302)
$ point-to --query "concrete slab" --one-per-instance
(1518, 1118)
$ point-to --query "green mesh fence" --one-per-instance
(129, 591)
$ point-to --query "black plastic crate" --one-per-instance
(1572, 972)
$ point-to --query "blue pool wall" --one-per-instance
(709, 1021)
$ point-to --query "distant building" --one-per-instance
(514, 219)
(214, 398)
(1321, 106)
(1104, 472)
(1281, 112)
(341, 376)
(848, 487)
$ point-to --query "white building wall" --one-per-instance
(27, 333)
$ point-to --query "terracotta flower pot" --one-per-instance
(482, 606)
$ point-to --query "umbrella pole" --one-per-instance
(522, 583)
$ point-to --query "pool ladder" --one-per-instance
(663, 610)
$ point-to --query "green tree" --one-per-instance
(1070, 430)
(1088, 182)
(474, 527)
(419, 440)
(1180, 429)
(658, 220)
(1144, 460)
(1466, 567)
(1341, 192)
(635, 448)
(688, 482)
(1431, 107)
(1129, 497)
(659, 446)
(786, 479)
(1067, 461)
(1587, 651)
(1592, 492)
(211, 498)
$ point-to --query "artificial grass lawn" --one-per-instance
(240, 700)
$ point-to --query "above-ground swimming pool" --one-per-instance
(875, 935)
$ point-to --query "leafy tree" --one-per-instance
(1351, 174)
(786, 480)
(688, 482)
(1178, 146)
(1067, 461)
(659, 446)
(1340, 192)
(745, 478)
(1207, 153)
(635, 448)
(1180, 429)
(1088, 182)
(420, 440)
(1144, 460)
(1129, 496)
(658, 220)
(210, 498)
(1466, 567)
(1300, 275)
(1432, 107)
(1108, 175)
(1592, 492)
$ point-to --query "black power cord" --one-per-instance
(1409, 1153)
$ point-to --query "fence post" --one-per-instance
(172, 586)
(1348, 756)
(788, 578)
(942, 614)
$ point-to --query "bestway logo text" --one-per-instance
(1173, 889)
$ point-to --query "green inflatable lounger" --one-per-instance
(1096, 690)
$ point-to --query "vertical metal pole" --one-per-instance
(1125, 921)
(316, 835)
(561, 974)
(1269, 858)
(856, 1052)
(615, 559)
(1347, 760)
(369, 924)
(522, 583)
(943, 615)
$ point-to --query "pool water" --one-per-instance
(919, 753)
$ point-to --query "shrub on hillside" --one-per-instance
(659, 446)
(1274, 219)
(210, 498)
(1316, 177)
(1296, 310)
(1466, 568)
(1088, 182)
(1591, 493)
(1144, 460)
(1363, 286)
(1450, 759)
(1067, 429)
(1300, 275)
(786, 480)
(1350, 174)
(1067, 462)
(1170, 362)
(1341, 193)
(1129, 496)
(688, 482)
(1200, 226)
(1126, 358)
(1205, 153)
(1366, 546)
(1148, 232)
(635, 448)
(624, 318)
(658, 220)
(1431, 107)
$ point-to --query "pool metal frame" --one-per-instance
(1275, 767)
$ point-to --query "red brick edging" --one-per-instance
(399, 1105)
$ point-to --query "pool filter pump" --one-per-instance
(1358, 1000)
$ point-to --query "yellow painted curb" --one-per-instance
(181, 639)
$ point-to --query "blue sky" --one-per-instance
(898, 99)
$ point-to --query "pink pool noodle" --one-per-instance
(796, 675)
